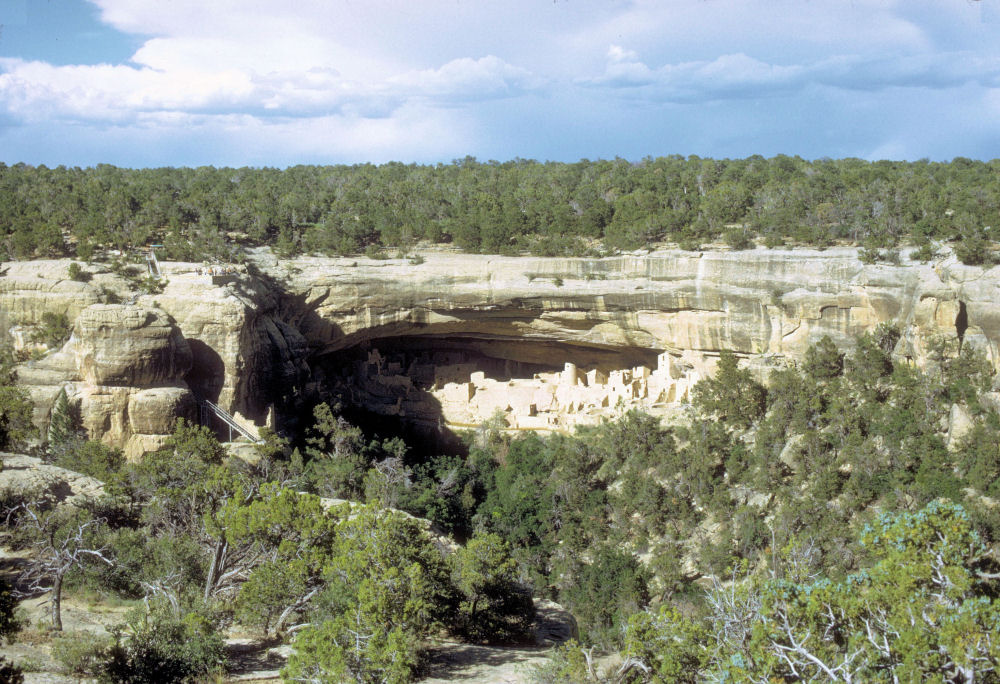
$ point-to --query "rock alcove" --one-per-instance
(455, 382)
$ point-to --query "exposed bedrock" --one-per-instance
(277, 334)
(761, 302)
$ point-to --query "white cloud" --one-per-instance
(378, 75)
(736, 76)
(36, 90)
(469, 79)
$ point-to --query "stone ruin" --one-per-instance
(463, 395)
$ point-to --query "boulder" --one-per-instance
(154, 411)
(124, 345)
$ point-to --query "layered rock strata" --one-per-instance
(250, 340)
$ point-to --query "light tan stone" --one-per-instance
(154, 411)
(118, 344)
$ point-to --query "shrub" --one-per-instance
(867, 255)
(732, 395)
(773, 240)
(823, 360)
(159, 647)
(974, 250)
(76, 273)
(10, 673)
(91, 458)
(11, 621)
(54, 329)
(924, 252)
(374, 251)
(605, 592)
(82, 653)
(738, 238)
(151, 285)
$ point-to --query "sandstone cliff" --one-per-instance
(274, 335)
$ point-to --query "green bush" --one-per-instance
(82, 653)
(159, 647)
(11, 621)
(974, 250)
(91, 458)
(78, 274)
(925, 252)
(53, 330)
(738, 238)
(732, 394)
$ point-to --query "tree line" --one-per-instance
(512, 207)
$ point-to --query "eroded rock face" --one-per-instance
(249, 341)
(132, 369)
(124, 345)
(153, 411)
(760, 302)
(25, 476)
(768, 306)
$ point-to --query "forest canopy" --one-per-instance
(549, 208)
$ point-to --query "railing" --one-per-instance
(209, 409)
(153, 264)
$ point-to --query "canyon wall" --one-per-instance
(642, 328)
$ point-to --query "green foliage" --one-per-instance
(160, 647)
(823, 360)
(569, 663)
(386, 588)
(54, 329)
(76, 273)
(547, 208)
(177, 484)
(10, 621)
(605, 592)
(338, 456)
(61, 423)
(346, 650)
(674, 647)
(922, 611)
(732, 395)
(91, 458)
(495, 605)
(82, 653)
(151, 285)
(925, 565)
(974, 250)
(444, 490)
(872, 358)
(738, 239)
(15, 417)
(301, 533)
(925, 252)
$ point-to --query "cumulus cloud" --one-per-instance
(497, 78)
(37, 90)
(739, 76)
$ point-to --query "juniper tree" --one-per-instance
(61, 427)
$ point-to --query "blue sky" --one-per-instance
(276, 83)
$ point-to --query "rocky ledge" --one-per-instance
(279, 333)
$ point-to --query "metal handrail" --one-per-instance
(228, 419)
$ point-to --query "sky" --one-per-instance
(143, 83)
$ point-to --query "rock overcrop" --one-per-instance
(252, 341)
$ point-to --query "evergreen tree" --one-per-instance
(61, 428)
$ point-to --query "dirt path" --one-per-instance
(458, 662)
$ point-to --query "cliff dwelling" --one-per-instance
(459, 382)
